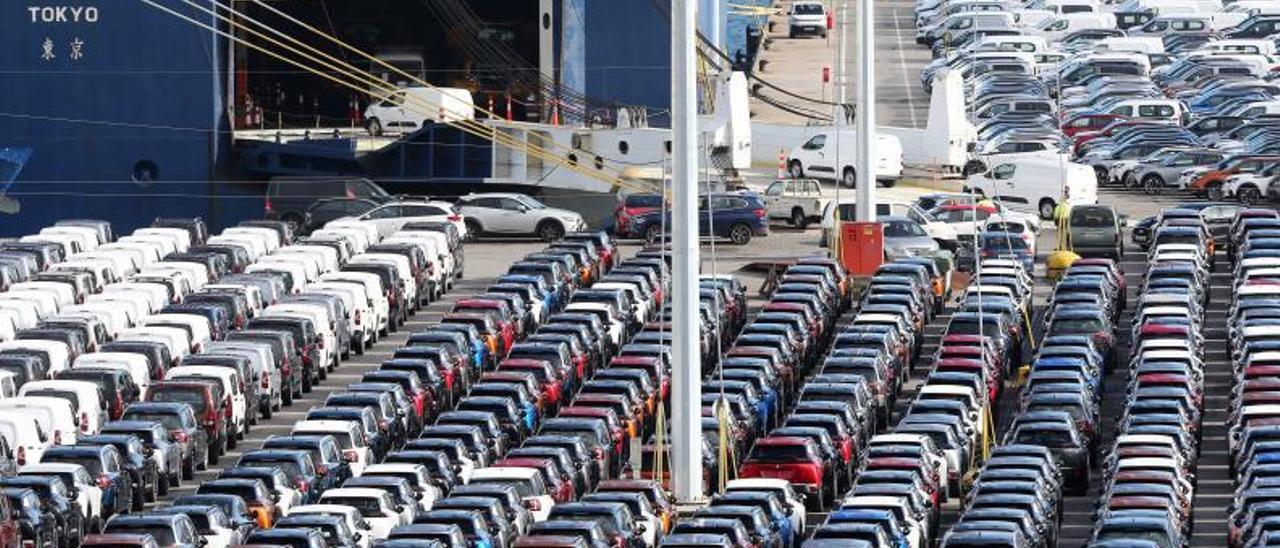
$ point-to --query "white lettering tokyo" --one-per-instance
(63, 14)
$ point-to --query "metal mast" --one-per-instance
(686, 398)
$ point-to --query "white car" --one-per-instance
(349, 436)
(54, 415)
(526, 480)
(807, 17)
(417, 476)
(84, 397)
(390, 514)
(25, 436)
(88, 494)
(389, 218)
(58, 353)
(409, 109)
(516, 214)
(355, 522)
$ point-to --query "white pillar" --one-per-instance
(686, 382)
(710, 22)
(865, 102)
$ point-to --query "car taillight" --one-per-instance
(534, 505)
(104, 481)
(266, 381)
(382, 424)
(268, 207)
(227, 406)
(302, 485)
(359, 315)
(84, 422)
(180, 436)
(22, 456)
(57, 437)
(759, 212)
(599, 452)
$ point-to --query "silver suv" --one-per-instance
(516, 215)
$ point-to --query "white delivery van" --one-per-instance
(55, 416)
(409, 109)
(85, 397)
(1037, 184)
(832, 154)
(135, 365)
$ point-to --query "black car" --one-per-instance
(135, 455)
(36, 523)
(56, 500)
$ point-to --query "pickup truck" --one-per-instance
(797, 201)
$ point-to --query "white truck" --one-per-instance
(796, 201)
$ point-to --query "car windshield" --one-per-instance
(1006, 226)
(532, 203)
(1046, 438)
(902, 229)
(785, 454)
(1083, 325)
(1092, 217)
(170, 421)
(193, 396)
(807, 9)
(369, 507)
(162, 534)
(1002, 243)
(288, 466)
(644, 200)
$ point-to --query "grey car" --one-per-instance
(1168, 168)
(1095, 232)
(904, 238)
(166, 453)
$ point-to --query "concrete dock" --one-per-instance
(796, 65)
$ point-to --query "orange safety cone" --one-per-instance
(782, 164)
(555, 112)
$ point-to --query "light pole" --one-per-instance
(686, 387)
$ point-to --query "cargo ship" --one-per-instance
(129, 109)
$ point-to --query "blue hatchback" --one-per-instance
(735, 216)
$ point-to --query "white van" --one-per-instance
(136, 365)
(196, 326)
(310, 264)
(45, 302)
(164, 245)
(1036, 184)
(383, 519)
(435, 249)
(360, 318)
(1151, 109)
(403, 270)
(25, 436)
(25, 314)
(86, 400)
(268, 236)
(231, 385)
(55, 416)
(327, 256)
(527, 481)
(196, 275)
(66, 295)
(59, 353)
(350, 438)
(156, 295)
(319, 316)
(369, 230)
(409, 109)
(358, 237)
(254, 244)
(832, 154)
(143, 253)
(180, 237)
(176, 283)
(371, 285)
(430, 492)
(1056, 28)
(297, 273)
(250, 292)
(70, 244)
(88, 237)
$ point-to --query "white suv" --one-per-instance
(390, 217)
(517, 214)
(807, 17)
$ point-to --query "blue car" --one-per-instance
(735, 216)
(884, 518)
(106, 466)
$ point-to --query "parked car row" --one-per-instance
(1148, 476)
(138, 360)
(1250, 337)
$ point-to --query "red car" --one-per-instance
(632, 206)
(793, 459)
(1088, 122)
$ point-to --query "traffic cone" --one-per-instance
(509, 116)
(555, 112)
(782, 164)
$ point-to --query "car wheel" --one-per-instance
(189, 468)
(306, 381)
(795, 170)
(266, 409)
(286, 395)
(1214, 193)
(653, 234)
(798, 219)
(1249, 195)
(375, 127)
(1046, 208)
(849, 179)
(740, 234)
(1152, 184)
(473, 229)
(550, 231)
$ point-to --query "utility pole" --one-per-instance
(711, 22)
(686, 382)
(865, 101)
